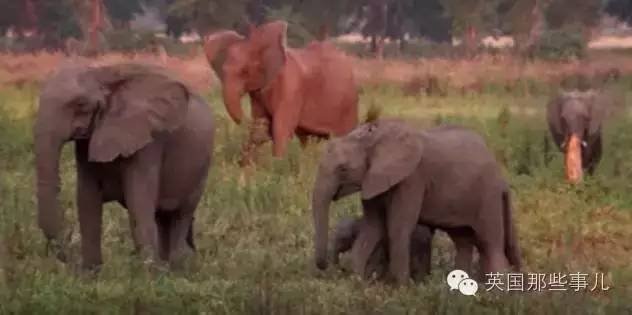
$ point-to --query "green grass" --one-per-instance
(254, 231)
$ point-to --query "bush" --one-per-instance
(561, 44)
(128, 41)
(413, 49)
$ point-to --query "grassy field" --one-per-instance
(254, 231)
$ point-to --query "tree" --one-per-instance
(621, 9)
(54, 23)
(122, 11)
(49, 20)
(583, 13)
(377, 14)
(205, 16)
(430, 19)
(10, 15)
(469, 17)
(524, 19)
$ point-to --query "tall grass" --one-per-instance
(254, 231)
(486, 69)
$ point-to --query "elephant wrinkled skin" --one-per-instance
(303, 92)
(444, 177)
(141, 138)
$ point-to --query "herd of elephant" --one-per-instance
(144, 139)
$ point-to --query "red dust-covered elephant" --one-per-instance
(304, 92)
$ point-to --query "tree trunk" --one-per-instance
(93, 22)
(537, 27)
(31, 20)
(470, 41)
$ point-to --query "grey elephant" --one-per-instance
(575, 119)
(346, 232)
(445, 177)
(141, 138)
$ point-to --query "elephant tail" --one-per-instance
(512, 250)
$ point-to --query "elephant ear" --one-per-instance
(395, 154)
(139, 108)
(554, 118)
(215, 47)
(274, 53)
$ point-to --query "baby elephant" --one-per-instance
(346, 233)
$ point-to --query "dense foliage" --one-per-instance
(388, 17)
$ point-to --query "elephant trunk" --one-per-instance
(47, 153)
(324, 192)
(573, 159)
(232, 99)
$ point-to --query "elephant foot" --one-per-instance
(179, 258)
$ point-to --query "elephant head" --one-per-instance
(372, 158)
(117, 109)
(246, 64)
(575, 120)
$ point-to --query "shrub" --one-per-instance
(129, 41)
(561, 44)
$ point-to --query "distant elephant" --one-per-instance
(141, 138)
(307, 92)
(346, 232)
(444, 177)
(575, 120)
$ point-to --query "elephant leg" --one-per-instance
(180, 227)
(189, 238)
(370, 233)
(422, 270)
(377, 260)
(401, 219)
(421, 252)
(285, 119)
(132, 229)
(594, 156)
(490, 238)
(90, 206)
(141, 183)
(181, 230)
(464, 250)
(163, 223)
(281, 135)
